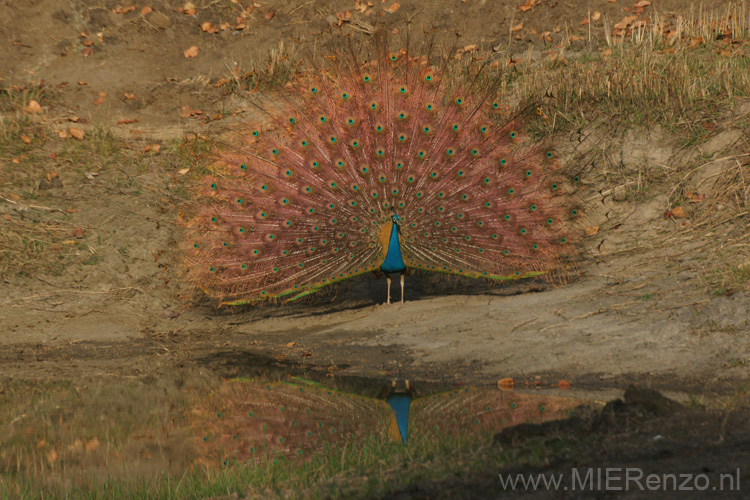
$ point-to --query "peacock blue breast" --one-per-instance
(394, 262)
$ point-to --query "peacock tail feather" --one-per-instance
(308, 198)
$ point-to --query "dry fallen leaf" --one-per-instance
(191, 52)
(280, 357)
(183, 171)
(642, 3)
(528, 5)
(269, 15)
(505, 384)
(77, 133)
(585, 22)
(517, 27)
(128, 96)
(33, 107)
(563, 384)
(625, 22)
(695, 197)
(146, 11)
(596, 15)
(26, 139)
(591, 230)
(677, 212)
(125, 121)
(78, 233)
(92, 443)
(393, 8)
(291, 344)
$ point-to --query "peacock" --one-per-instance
(379, 160)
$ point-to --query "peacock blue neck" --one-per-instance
(394, 262)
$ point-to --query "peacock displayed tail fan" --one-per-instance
(307, 193)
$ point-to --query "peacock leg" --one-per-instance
(388, 277)
(402, 288)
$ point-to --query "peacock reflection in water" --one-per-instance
(246, 421)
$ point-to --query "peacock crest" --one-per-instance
(378, 160)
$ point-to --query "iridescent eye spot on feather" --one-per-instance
(421, 154)
(332, 139)
(429, 106)
(511, 191)
(459, 101)
(440, 194)
(243, 167)
(239, 201)
(315, 164)
(535, 247)
(455, 127)
(433, 175)
(394, 192)
(292, 120)
(523, 231)
(355, 143)
(196, 245)
(380, 152)
(506, 217)
(513, 134)
(563, 241)
(461, 173)
(402, 115)
(549, 154)
(212, 269)
(366, 78)
(428, 77)
(350, 121)
(345, 96)
(488, 204)
(550, 221)
(394, 57)
(340, 163)
(495, 105)
(243, 266)
(214, 219)
(474, 152)
(322, 119)
(494, 236)
(288, 223)
(378, 128)
(304, 143)
(483, 129)
(271, 237)
(480, 223)
(399, 165)
(419, 194)
(310, 210)
(486, 181)
(402, 138)
(241, 230)
(576, 179)
(574, 212)
(506, 252)
(402, 90)
(450, 152)
(332, 184)
(464, 197)
(374, 106)
(533, 208)
(313, 90)
(256, 133)
(426, 129)
(527, 174)
(213, 185)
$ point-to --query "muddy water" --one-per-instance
(89, 430)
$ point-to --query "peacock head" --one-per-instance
(396, 219)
